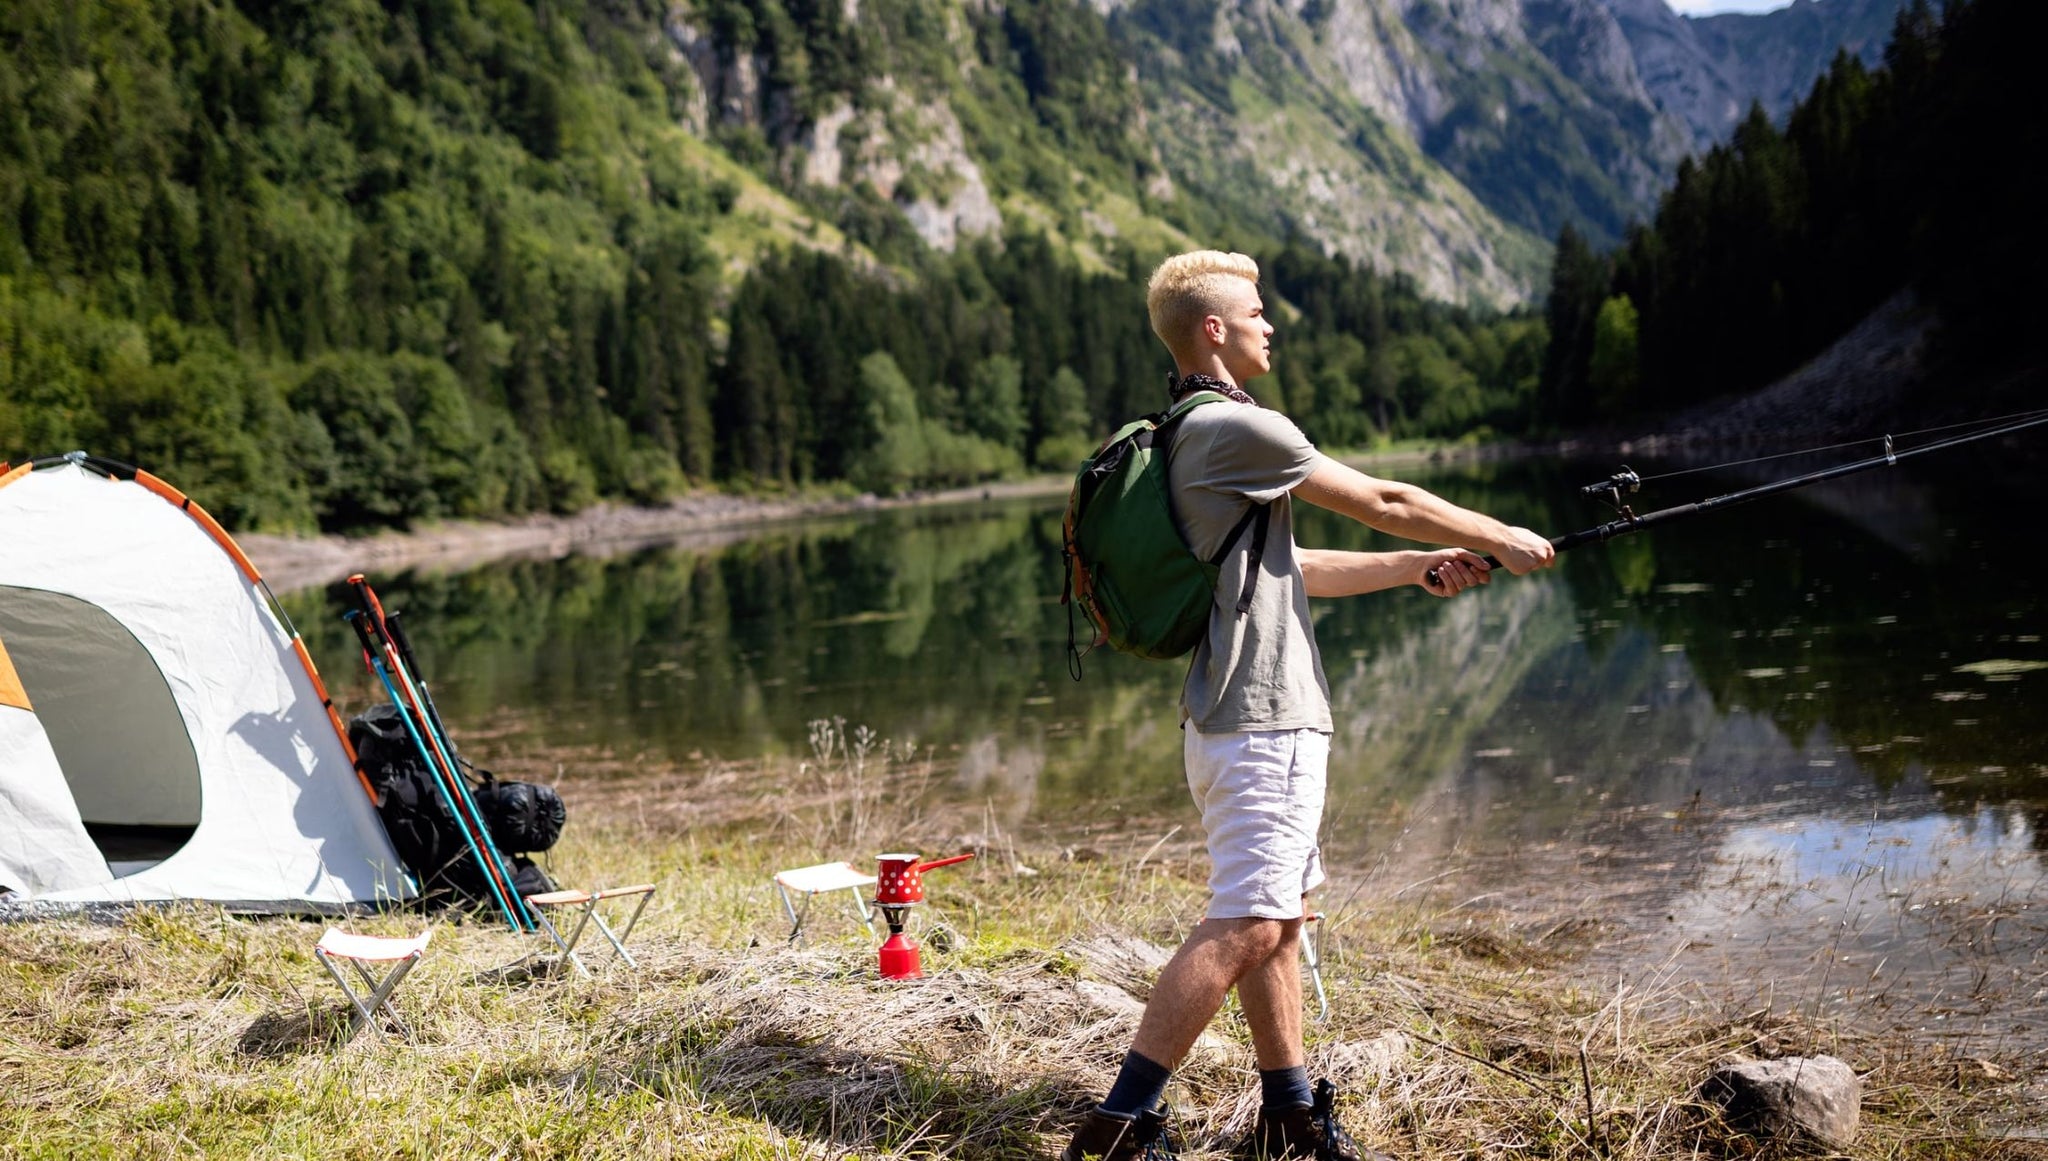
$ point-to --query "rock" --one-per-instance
(1111, 1000)
(1817, 1097)
(1363, 1062)
(1124, 960)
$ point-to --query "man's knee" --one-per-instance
(1254, 940)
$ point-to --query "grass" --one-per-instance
(188, 1031)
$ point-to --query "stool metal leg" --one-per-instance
(568, 948)
(618, 940)
(378, 993)
(860, 908)
(796, 915)
(576, 935)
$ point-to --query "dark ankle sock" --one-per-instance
(1139, 1085)
(1285, 1088)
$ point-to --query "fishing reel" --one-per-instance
(1622, 483)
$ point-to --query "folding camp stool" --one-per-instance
(587, 914)
(358, 950)
(1313, 956)
(811, 882)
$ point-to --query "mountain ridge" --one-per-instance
(1445, 140)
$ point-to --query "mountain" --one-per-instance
(357, 263)
(478, 257)
(1443, 139)
(1705, 71)
(1144, 123)
(1580, 110)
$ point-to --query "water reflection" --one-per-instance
(1793, 654)
(1621, 730)
(1927, 916)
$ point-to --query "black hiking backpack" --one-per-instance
(521, 817)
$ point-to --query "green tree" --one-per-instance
(371, 473)
(894, 453)
(995, 401)
(1611, 371)
(1579, 282)
(1065, 439)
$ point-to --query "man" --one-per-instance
(1256, 708)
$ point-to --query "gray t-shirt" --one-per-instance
(1259, 671)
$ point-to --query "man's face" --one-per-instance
(1244, 335)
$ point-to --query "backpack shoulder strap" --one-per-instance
(1163, 429)
(1189, 402)
(1257, 517)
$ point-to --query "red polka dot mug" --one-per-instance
(900, 879)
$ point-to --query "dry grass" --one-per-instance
(188, 1032)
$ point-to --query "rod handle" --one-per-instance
(1560, 543)
(1492, 561)
(393, 625)
(360, 624)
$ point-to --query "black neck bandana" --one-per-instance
(1179, 387)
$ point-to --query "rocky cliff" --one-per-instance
(1447, 139)
(1775, 57)
(1704, 72)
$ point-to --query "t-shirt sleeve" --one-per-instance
(1260, 455)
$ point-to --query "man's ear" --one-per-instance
(1213, 329)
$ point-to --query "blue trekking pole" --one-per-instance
(400, 660)
(464, 820)
(395, 630)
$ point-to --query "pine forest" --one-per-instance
(340, 265)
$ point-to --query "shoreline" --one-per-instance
(1835, 396)
(709, 518)
(702, 519)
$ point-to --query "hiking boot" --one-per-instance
(1310, 1134)
(1102, 1137)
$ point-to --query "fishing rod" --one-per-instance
(1626, 482)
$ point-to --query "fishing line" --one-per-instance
(1624, 483)
(1986, 423)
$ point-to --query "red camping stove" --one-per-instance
(899, 886)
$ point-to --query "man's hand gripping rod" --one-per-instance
(1622, 483)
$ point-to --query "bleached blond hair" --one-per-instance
(1190, 287)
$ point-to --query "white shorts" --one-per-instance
(1261, 798)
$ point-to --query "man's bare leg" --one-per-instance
(1271, 995)
(1218, 956)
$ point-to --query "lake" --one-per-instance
(1792, 754)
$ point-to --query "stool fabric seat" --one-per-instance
(357, 950)
(586, 905)
(815, 880)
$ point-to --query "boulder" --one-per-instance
(1818, 1097)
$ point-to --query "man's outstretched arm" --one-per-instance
(1330, 573)
(1407, 511)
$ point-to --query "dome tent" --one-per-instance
(163, 733)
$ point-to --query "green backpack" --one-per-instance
(1126, 564)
